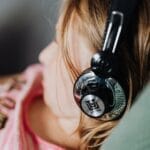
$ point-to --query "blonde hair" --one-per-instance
(90, 16)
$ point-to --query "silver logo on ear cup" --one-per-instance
(92, 105)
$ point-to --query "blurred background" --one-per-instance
(26, 27)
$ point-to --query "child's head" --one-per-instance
(79, 34)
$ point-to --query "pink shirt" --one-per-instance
(16, 135)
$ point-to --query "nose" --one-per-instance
(48, 53)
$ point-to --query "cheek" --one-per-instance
(58, 92)
(49, 85)
(58, 88)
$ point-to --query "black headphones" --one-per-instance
(99, 91)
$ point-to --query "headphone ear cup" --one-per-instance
(97, 96)
(92, 95)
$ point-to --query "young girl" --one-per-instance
(38, 111)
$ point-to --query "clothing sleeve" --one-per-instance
(7, 103)
(133, 132)
(16, 89)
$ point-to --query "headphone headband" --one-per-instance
(120, 14)
(127, 7)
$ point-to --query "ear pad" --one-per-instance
(98, 95)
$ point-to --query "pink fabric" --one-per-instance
(17, 135)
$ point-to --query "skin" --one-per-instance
(60, 114)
